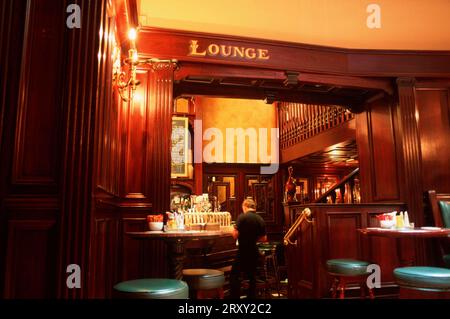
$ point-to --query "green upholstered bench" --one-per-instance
(424, 279)
(445, 212)
(202, 282)
(447, 261)
(344, 271)
(152, 288)
(440, 207)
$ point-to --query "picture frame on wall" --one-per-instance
(179, 150)
(302, 190)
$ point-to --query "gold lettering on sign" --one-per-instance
(193, 49)
(250, 53)
(263, 54)
(226, 51)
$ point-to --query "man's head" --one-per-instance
(248, 204)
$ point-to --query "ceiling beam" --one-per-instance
(258, 93)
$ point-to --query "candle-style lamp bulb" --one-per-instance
(132, 34)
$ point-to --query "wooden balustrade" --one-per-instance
(299, 122)
(347, 190)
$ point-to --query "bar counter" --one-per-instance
(176, 241)
(181, 234)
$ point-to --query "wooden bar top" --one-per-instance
(192, 234)
(422, 232)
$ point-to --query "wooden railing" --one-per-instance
(299, 122)
(347, 190)
(304, 216)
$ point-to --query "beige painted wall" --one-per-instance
(221, 114)
(405, 24)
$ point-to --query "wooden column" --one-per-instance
(80, 103)
(198, 138)
(410, 142)
(160, 104)
(412, 191)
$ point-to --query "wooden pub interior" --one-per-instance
(365, 131)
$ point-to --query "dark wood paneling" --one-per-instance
(103, 271)
(36, 143)
(341, 242)
(378, 153)
(384, 159)
(30, 261)
(333, 234)
(12, 15)
(156, 260)
(108, 150)
(137, 136)
(269, 183)
(133, 254)
(434, 129)
(382, 251)
(50, 102)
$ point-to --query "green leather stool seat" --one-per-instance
(347, 267)
(423, 277)
(204, 279)
(447, 261)
(445, 212)
(154, 288)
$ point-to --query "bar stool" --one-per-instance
(423, 282)
(204, 283)
(267, 271)
(153, 288)
(344, 271)
(268, 251)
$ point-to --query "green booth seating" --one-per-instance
(202, 281)
(445, 212)
(447, 261)
(423, 278)
(345, 271)
(444, 207)
(154, 288)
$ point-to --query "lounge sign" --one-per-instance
(227, 51)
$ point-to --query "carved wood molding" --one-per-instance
(164, 43)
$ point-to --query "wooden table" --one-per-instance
(422, 232)
(405, 233)
(175, 241)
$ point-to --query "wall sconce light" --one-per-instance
(126, 82)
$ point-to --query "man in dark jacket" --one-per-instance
(249, 229)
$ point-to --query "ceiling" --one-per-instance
(404, 24)
(344, 154)
(274, 90)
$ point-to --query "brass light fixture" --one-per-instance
(126, 82)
